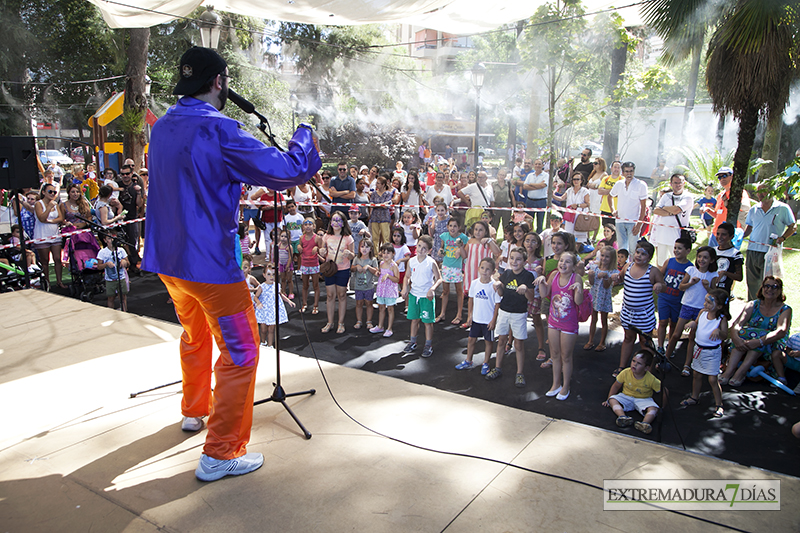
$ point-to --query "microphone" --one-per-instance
(240, 102)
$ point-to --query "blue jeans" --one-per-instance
(539, 203)
(625, 237)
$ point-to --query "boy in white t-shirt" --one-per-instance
(293, 222)
(484, 304)
(114, 261)
(421, 280)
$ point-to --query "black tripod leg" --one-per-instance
(278, 395)
(135, 394)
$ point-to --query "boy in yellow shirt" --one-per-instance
(638, 386)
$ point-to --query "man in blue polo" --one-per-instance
(770, 217)
(343, 190)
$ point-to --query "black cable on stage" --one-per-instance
(478, 457)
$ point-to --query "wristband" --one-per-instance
(761, 340)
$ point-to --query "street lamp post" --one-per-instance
(294, 103)
(478, 73)
(209, 28)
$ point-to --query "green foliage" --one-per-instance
(132, 121)
(783, 182)
(371, 144)
(701, 166)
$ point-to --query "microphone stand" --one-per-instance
(278, 394)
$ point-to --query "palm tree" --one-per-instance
(752, 61)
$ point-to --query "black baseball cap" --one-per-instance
(197, 66)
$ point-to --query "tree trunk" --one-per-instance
(691, 90)
(533, 122)
(748, 122)
(619, 58)
(772, 143)
(135, 105)
(511, 145)
(551, 112)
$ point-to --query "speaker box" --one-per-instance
(18, 168)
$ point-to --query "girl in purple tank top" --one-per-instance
(565, 288)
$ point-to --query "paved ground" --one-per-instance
(755, 430)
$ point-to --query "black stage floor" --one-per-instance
(755, 431)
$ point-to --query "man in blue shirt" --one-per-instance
(764, 219)
(343, 190)
(199, 159)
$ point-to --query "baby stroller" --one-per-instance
(86, 281)
(12, 278)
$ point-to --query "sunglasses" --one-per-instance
(773, 286)
(124, 173)
(50, 191)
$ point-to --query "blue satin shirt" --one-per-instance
(198, 160)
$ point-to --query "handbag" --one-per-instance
(586, 223)
(328, 269)
(687, 232)
(569, 216)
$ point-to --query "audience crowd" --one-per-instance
(394, 237)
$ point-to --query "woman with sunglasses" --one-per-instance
(760, 329)
(48, 219)
(576, 198)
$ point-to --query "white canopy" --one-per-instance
(459, 17)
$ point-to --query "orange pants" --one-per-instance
(226, 312)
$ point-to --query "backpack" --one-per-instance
(585, 309)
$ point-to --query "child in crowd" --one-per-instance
(707, 206)
(516, 289)
(309, 262)
(484, 304)
(622, 264)
(30, 256)
(431, 214)
(600, 275)
(114, 261)
(513, 238)
(710, 329)
(669, 301)
(244, 239)
(284, 259)
(386, 291)
(637, 385)
(535, 265)
(519, 214)
(265, 313)
(452, 252)
(478, 247)
(252, 283)
(487, 217)
(419, 290)
(402, 253)
(641, 280)
(555, 226)
(293, 222)
(729, 258)
(609, 239)
(412, 229)
(565, 289)
(357, 228)
(365, 270)
(695, 285)
(436, 227)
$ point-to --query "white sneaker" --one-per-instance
(192, 423)
(210, 469)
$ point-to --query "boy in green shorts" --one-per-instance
(421, 280)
